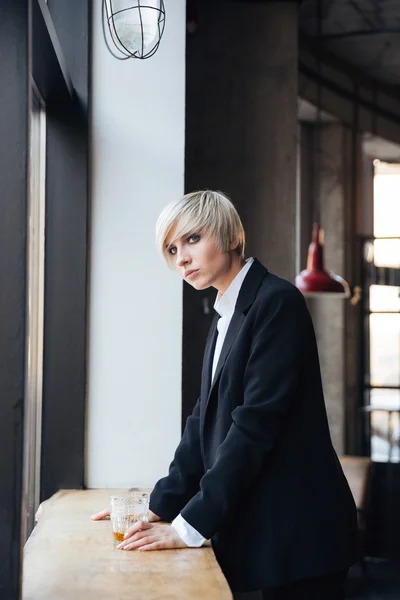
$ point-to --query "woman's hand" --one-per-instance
(104, 514)
(145, 536)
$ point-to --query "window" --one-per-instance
(382, 381)
(34, 324)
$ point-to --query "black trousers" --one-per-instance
(328, 587)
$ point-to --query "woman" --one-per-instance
(255, 470)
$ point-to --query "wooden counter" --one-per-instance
(71, 557)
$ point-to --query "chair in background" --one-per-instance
(358, 471)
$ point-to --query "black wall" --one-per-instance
(64, 377)
(13, 208)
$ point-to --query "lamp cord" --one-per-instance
(316, 208)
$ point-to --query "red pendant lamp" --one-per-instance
(314, 281)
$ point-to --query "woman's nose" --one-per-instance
(182, 258)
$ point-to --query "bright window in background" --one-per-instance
(384, 318)
(386, 200)
(35, 314)
(385, 349)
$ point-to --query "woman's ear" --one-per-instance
(234, 244)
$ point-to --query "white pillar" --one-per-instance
(135, 307)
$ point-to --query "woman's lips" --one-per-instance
(192, 273)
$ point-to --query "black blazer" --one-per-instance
(255, 470)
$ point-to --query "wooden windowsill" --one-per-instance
(70, 557)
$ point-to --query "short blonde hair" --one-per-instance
(207, 212)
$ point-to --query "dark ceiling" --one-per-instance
(363, 33)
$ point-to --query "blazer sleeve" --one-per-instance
(270, 380)
(171, 493)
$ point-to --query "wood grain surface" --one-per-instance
(70, 557)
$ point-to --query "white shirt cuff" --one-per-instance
(189, 534)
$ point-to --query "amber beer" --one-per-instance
(118, 537)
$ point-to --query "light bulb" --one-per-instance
(135, 27)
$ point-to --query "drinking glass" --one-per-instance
(126, 510)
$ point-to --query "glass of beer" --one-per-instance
(127, 510)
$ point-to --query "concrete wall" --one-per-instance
(336, 321)
(241, 129)
(241, 134)
(135, 308)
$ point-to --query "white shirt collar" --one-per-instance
(225, 304)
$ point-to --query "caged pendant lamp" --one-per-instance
(133, 28)
(315, 281)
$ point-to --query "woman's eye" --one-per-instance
(172, 250)
(193, 238)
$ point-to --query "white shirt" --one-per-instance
(225, 306)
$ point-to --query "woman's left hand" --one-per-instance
(149, 536)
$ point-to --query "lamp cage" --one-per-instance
(133, 29)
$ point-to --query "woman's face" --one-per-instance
(200, 262)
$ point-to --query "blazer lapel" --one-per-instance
(208, 358)
(246, 297)
(233, 329)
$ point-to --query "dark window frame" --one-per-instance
(53, 49)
